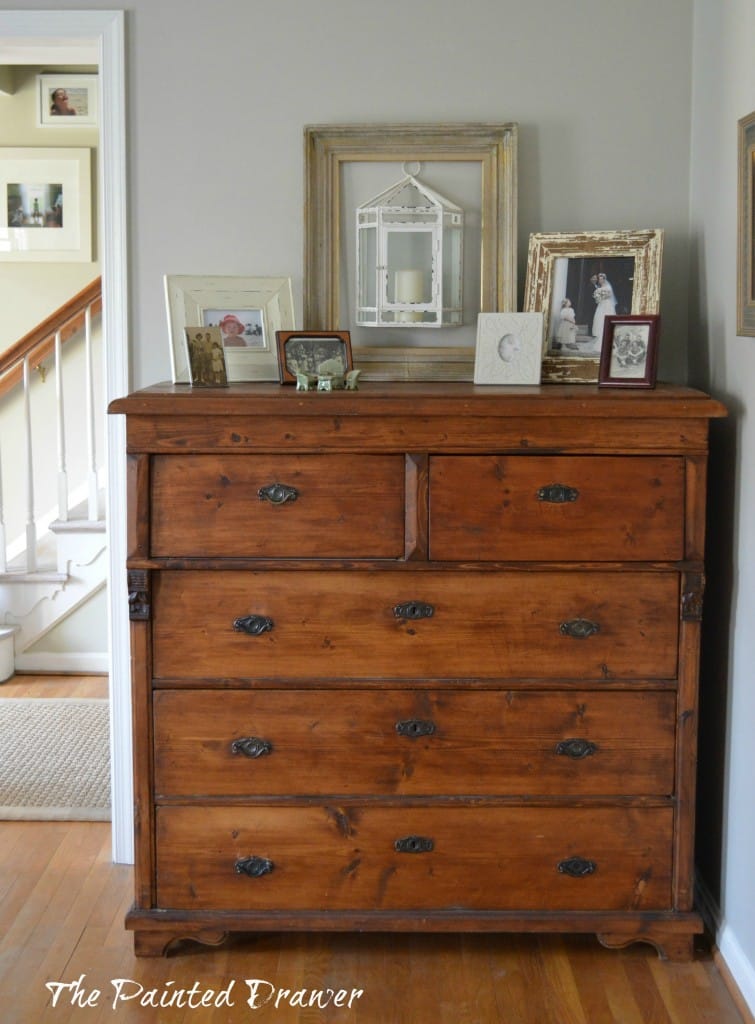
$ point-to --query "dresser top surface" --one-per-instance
(424, 399)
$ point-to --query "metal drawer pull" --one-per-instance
(414, 727)
(577, 867)
(576, 749)
(579, 629)
(251, 746)
(414, 844)
(253, 867)
(277, 494)
(254, 625)
(413, 610)
(557, 494)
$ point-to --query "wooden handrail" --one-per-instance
(68, 319)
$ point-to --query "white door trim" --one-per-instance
(106, 30)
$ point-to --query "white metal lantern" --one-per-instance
(409, 258)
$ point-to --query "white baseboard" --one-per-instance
(741, 969)
(738, 965)
(62, 663)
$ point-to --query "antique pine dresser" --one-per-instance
(422, 657)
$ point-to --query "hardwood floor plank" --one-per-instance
(21, 685)
(61, 917)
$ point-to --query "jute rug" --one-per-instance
(54, 759)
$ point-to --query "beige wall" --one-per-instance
(29, 292)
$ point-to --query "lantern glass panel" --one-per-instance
(367, 267)
(409, 266)
(452, 276)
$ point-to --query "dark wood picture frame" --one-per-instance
(629, 353)
(325, 346)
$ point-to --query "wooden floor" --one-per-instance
(62, 904)
(54, 686)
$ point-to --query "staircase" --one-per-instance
(53, 567)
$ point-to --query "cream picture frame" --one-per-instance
(264, 304)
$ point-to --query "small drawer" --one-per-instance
(307, 506)
(410, 625)
(231, 743)
(577, 508)
(338, 857)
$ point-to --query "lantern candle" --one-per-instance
(409, 288)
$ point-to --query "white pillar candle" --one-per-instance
(409, 288)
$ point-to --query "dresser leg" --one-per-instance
(670, 945)
(156, 943)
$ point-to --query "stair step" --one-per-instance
(77, 526)
(39, 576)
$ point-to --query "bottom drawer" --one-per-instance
(402, 858)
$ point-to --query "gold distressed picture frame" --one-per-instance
(576, 280)
(746, 227)
(329, 149)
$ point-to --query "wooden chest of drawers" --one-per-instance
(422, 657)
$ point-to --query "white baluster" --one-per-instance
(92, 492)
(3, 549)
(31, 526)
(62, 474)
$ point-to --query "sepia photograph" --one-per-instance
(630, 351)
(314, 353)
(206, 357)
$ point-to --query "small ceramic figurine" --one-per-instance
(305, 382)
(352, 380)
(325, 382)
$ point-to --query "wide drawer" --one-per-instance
(408, 625)
(266, 742)
(584, 508)
(325, 506)
(333, 857)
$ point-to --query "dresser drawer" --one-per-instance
(332, 857)
(406, 624)
(272, 742)
(565, 508)
(328, 506)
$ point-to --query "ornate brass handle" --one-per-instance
(414, 844)
(576, 749)
(413, 610)
(253, 867)
(579, 629)
(414, 727)
(557, 494)
(277, 494)
(251, 746)
(577, 867)
(254, 625)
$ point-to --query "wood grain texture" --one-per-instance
(441, 589)
(616, 508)
(405, 978)
(453, 742)
(337, 858)
(343, 625)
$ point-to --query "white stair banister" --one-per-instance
(92, 491)
(60, 412)
(31, 526)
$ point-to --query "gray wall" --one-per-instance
(219, 95)
(724, 91)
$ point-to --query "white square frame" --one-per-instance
(509, 348)
(70, 168)
(188, 297)
(84, 93)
